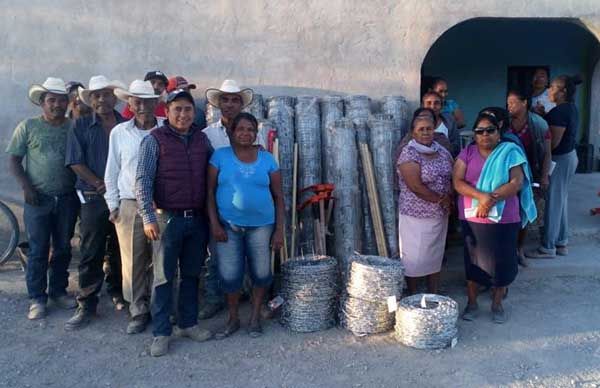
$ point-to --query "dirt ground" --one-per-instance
(552, 339)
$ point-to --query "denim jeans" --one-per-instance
(97, 234)
(51, 223)
(213, 294)
(251, 244)
(182, 244)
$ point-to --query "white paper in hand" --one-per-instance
(392, 303)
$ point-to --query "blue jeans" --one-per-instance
(182, 244)
(213, 294)
(251, 243)
(50, 222)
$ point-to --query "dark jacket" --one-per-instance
(180, 181)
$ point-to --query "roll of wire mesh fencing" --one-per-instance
(332, 109)
(427, 321)
(380, 142)
(373, 281)
(256, 107)
(281, 114)
(213, 114)
(344, 175)
(308, 137)
(358, 109)
(398, 108)
(309, 289)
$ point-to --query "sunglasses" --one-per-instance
(488, 130)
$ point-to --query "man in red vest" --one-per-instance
(171, 196)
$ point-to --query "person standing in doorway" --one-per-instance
(444, 122)
(563, 121)
(87, 151)
(51, 206)
(171, 195)
(540, 99)
(121, 167)
(449, 106)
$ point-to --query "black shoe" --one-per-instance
(138, 324)
(81, 318)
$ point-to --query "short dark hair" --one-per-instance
(489, 115)
(244, 116)
(432, 93)
(436, 81)
(419, 114)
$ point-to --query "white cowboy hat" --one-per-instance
(229, 87)
(138, 88)
(98, 82)
(51, 85)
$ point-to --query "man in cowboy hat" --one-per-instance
(171, 196)
(76, 108)
(230, 99)
(159, 82)
(179, 82)
(87, 151)
(136, 252)
(51, 206)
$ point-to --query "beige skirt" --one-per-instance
(422, 243)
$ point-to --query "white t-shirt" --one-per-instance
(442, 129)
(217, 135)
(544, 100)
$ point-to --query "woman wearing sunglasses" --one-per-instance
(493, 180)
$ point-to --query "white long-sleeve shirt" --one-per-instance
(217, 135)
(121, 165)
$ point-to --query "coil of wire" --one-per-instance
(309, 289)
(371, 281)
(427, 321)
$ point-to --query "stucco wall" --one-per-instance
(353, 46)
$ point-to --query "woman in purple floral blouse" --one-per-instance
(425, 177)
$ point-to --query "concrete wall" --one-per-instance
(354, 46)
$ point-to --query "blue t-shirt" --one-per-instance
(243, 189)
(450, 106)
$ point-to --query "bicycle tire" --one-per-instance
(7, 252)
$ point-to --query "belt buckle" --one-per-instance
(188, 213)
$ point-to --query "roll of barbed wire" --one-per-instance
(309, 289)
(344, 175)
(369, 246)
(398, 108)
(256, 107)
(281, 114)
(427, 321)
(344, 264)
(332, 109)
(372, 281)
(380, 141)
(358, 108)
(213, 114)
(308, 137)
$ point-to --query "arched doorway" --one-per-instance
(482, 57)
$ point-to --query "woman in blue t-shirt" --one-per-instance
(563, 121)
(245, 208)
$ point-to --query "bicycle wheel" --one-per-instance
(9, 233)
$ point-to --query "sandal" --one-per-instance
(230, 328)
(255, 330)
(539, 254)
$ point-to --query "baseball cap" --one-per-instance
(180, 93)
(73, 85)
(178, 82)
(156, 74)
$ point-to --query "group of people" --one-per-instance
(159, 193)
(521, 157)
(155, 192)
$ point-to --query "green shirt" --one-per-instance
(43, 147)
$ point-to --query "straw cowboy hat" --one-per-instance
(138, 88)
(98, 82)
(51, 85)
(229, 87)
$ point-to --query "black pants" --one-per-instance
(98, 238)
